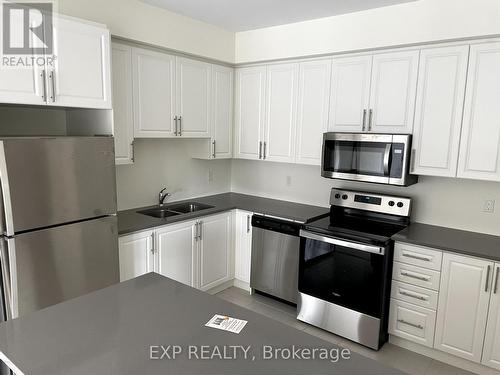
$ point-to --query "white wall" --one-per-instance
(447, 202)
(414, 22)
(136, 20)
(167, 163)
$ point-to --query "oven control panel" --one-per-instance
(371, 202)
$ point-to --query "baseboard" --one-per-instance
(242, 285)
(438, 355)
(220, 288)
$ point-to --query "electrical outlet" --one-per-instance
(489, 206)
(289, 181)
(210, 175)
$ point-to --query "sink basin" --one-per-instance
(184, 208)
(161, 213)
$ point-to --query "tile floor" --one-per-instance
(391, 355)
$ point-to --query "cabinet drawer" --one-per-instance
(412, 322)
(414, 294)
(416, 275)
(418, 256)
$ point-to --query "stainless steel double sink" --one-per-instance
(164, 212)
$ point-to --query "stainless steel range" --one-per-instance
(345, 265)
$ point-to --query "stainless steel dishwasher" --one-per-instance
(275, 257)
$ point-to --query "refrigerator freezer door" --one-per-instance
(53, 265)
(51, 181)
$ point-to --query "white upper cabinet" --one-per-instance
(374, 93)
(480, 144)
(215, 243)
(222, 123)
(23, 86)
(193, 97)
(123, 117)
(282, 89)
(463, 306)
(392, 93)
(350, 93)
(82, 74)
(491, 350)
(312, 110)
(154, 93)
(249, 111)
(136, 254)
(438, 113)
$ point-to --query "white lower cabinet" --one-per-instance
(412, 322)
(176, 249)
(243, 246)
(196, 253)
(136, 254)
(491, 349)
(215, 243)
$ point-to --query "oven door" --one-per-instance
(365, 157)
(342, 272)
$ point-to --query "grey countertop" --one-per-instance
(110, 332)
(454, 240)
(130, 221)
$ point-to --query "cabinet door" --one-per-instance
(82, 76)
(282, 89)
(350, 93)
(22, 85)
(249, 111)
(222, 123)
(153, 94)
(243, 241)
(438, 112)
(215, 250)
(463, 306)
(491, 350)
(392, 94)
(480, 144)
(136, 254)
(123, 121)
(193, 97)
(312, 111)
(176, 252)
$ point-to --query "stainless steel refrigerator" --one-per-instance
(58, 220)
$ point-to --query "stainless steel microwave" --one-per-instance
(378, 158)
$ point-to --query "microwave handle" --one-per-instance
(387, 156)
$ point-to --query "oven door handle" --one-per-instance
(387, 156)
(336, 241)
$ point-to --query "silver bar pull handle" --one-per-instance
(248, 223)
(260, 150)
(410, 324)
(180, 125)
(200, 225)
(364, 120)
(213, 144)
(425, 259)
(370, 119)
(487, 279)
(408, 294)
(43, 74)
(53, 84)
(132, 152)
(495, 288)
(175, 126)
(265, 150)
(196, 231)
(152, 243)
(423, 278)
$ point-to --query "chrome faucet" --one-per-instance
(162, 196)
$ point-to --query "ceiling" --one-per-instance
(242, 15)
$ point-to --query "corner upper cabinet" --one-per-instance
(153, 93)
(82, 74)
(281, 114)
(392, 92)
(193, 98)
(222, 122)
(250, 101)
(350, 93)
(312, 110)
(438, 113)
(123, 117)
(480, 144)
(374, 93)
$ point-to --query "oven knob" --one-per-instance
(391, 203)
(337, 196)
(344, 197)
(400, 204)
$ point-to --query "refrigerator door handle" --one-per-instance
(7, 291)
(7, 224)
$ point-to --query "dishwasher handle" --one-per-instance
(276, 225)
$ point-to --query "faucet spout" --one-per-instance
(162, 196)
